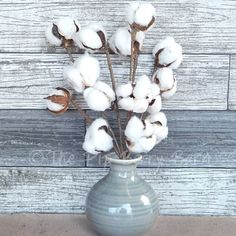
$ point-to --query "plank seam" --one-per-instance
(229, 77)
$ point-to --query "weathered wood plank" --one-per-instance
(199, 25)
(27, 78)
(56, 190)
(196, 139)
(37, 138)
(232, 83)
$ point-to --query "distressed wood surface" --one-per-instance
(54, 190)
(73, 225)
(38, 138)
(232, 83)
(196, 139)
(200, 26)
(27, 78)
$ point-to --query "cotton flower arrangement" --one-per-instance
(141, 97)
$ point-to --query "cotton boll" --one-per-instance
(67, 27)
(141, 15)
(102, 141)
(92, 38)
(106, 89)
(161, 132)
(169, 53)
(88, 68)
(170, 92)
(58, 100)
(134, 129)
(142, 86)
(96, 100)
(148, 128)
(89, 147)
(154, 89)
(124, 90)
(140, 105)
(164, 78)
(52, 39)
(72, 75)
(120, 42)
(126, 103)
(155, 105)
(159, 118)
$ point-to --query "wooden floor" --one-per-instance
(64, 225)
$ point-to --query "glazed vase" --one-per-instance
(121, 203)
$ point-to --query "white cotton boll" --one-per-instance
(89, 39)
(102, 141)
(170, 92)
(159, 117)
(52, 106)
(124, 90)
(98, 27)
(52, 39)
(155, 105)
(120, 42)
(141, 14)
(106, 89)
(143, 145)
(165, 78)
(140, 105)
(126, 103)
(134, 129)
(89, 69)
(96, 100)
(169, 53)
(154, 89)
(67, 27)
(72, 75)
(142, 87)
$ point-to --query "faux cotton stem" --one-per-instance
(87, 118)
(70, 54)
(133, 36)
(116, 100)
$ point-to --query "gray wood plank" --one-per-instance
(199, 25)
(74, 224)
(56, 190)
(196, 139)
(27, 78)
(37, 138)
(232, 84)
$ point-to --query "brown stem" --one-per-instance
(70, 54)
(116, 100)
(133, 36)
(87, 118)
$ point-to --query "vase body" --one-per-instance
(121, 203)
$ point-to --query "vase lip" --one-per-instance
(123, 162)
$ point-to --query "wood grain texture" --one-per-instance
(27, 78)
(37, 138)
(56, 190)
(200, 26)
(232, 84)
(196, 139)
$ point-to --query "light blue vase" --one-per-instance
(121, 203)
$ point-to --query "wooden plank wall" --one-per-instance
(42, 165)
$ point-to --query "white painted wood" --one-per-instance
(25, 79)
(232, 83)
(200, 26)
(57, 190)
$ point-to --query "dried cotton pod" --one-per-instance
(140, 15)
(97, 139)
(62, 31)
(91, 38)
(58, 101)
(120, 42)
(168, 53)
